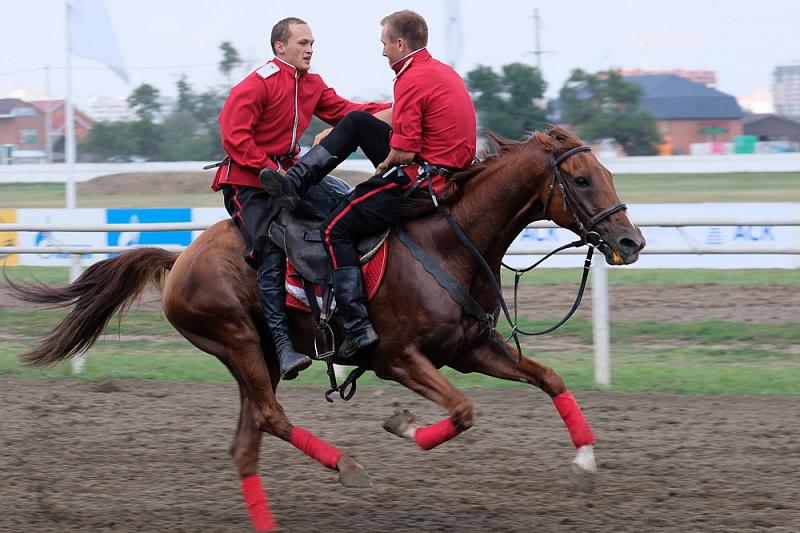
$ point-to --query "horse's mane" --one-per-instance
(556, 140)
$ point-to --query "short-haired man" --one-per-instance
(433, 118)
(261, 123)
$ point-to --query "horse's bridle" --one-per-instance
(589, 221)
(462, 296)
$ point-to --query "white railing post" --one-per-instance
(600, 325)
(75, 270)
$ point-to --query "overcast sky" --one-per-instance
(742, 40)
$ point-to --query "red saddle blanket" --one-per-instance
(373, 271)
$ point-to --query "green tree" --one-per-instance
(506, 102)
(109, 140)
(184, 138)
(230, 59)
(146, 137)
(186, 98)
(605, 105)
(144, 101)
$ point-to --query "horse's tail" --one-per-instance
(106, 287)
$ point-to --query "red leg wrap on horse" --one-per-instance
(256, 500)
(433, 435)
(315, 447)
(572, 415)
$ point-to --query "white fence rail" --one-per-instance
(676, 164)
(600, 315)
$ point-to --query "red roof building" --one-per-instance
(24, 131)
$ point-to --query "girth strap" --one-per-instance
(448, 283)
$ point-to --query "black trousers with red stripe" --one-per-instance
(372, 207)
(253, 210)
(359, 129)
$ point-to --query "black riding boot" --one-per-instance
(273, 296)
(288, 188)
(348, 288)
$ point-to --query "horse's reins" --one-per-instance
(588, 237)
(462, 296)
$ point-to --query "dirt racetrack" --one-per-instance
(678, 303)
(147, 456)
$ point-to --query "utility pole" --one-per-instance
(537, 30)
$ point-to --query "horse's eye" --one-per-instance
(580, 181)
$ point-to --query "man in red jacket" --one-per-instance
(261, 123)
(433, 119)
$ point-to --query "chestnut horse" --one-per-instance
(210, 297)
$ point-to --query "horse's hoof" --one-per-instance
(583, 469)
(352, 474)
(402, 424)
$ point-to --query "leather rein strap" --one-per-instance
(465, 299)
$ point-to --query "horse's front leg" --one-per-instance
(414, 370)
(490, 359)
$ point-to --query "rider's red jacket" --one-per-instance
(433, 114)
(267, 112)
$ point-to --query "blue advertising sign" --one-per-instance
(145, 216)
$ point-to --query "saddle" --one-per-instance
(298, 232)
(308, 278)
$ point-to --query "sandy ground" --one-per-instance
(145, 456)
(682, 303)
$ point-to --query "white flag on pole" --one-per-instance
(92, 36)
(455, 39)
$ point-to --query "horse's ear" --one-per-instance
(563, 135)
(500, 143)
(545, 139)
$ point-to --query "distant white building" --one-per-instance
(759, 102)
(108, 109)
(786, 90)
(116, 108)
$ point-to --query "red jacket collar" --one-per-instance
(286, 67)
(422, 55)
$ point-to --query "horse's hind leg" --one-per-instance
(416, 372)
(244, 450)
(490, 359)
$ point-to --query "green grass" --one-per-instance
(18, 195)
(690, 371)
(692, 188)
(703, 357)
(548, 276)
(632, 188)
(206, 198)
(32, 323)
(30, 274)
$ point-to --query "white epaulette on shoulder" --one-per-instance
(268, 70)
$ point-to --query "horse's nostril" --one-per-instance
(629, 246)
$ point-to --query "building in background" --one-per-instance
(757, 103)
(706, 77)
(786, 90)
(774, 133)
(689, 112)
(33, 132)
(108, 109)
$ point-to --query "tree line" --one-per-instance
(509, 102)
